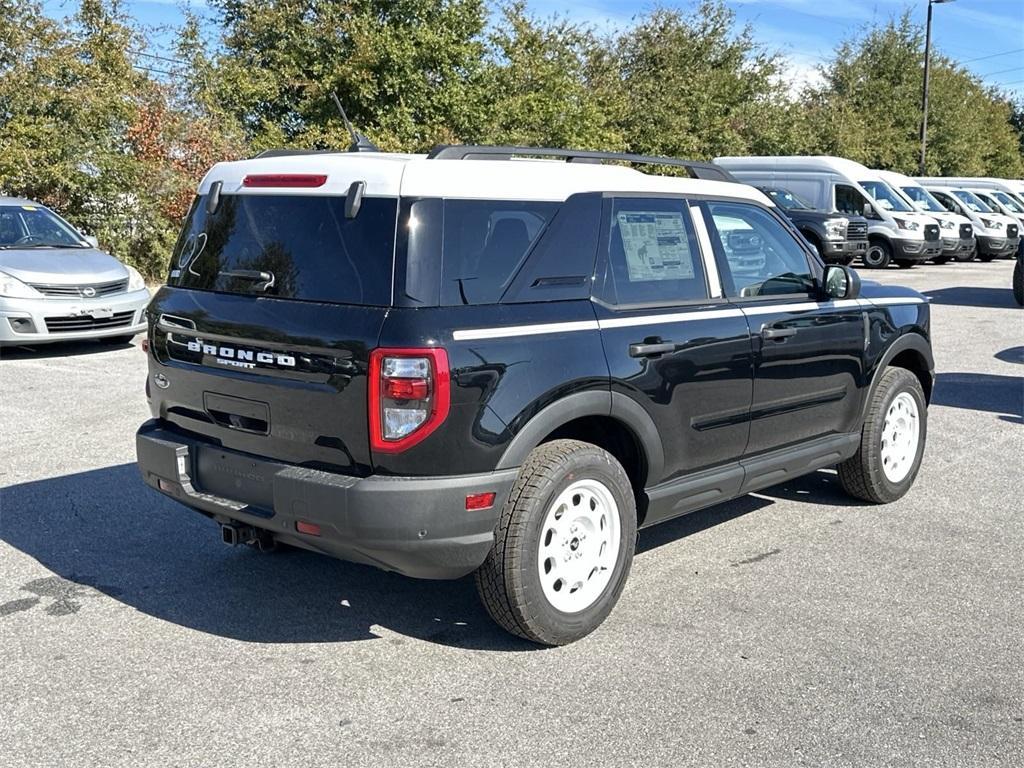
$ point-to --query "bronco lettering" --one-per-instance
(225, 354)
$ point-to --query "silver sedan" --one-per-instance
(56, 285)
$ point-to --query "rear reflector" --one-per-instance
(145, 345)
(475, 501)
(166, 486)
(284, 180)
(310, 529)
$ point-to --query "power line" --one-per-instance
(1002, 71)
(992, 56)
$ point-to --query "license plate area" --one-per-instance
(236, 477)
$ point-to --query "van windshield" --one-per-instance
(923, 199)
(787, 200)
(885, 196)
(289, 246)
(971, 201)
(1009, 202)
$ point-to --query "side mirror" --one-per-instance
(869, 212)
(841, 282)
(91, 240)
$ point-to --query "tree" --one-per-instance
(406, 70)
(869, 109)
(697, 87)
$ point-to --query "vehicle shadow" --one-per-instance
(106, 530)
(821, 487)
(1011, 355)
(1003, 395)
(61, 349)
(967, 296)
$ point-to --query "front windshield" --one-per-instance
(971, 201)
(923, 199)
(1008, 200)
(32, 226)
(885, 196)
(786, 199)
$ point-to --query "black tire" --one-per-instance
(117, 341)
(878, 255)
(1018, 282)
(863, 476)
(986, 257)
(905, 263)
(509, 582)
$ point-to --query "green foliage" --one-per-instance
(869, 109)
(118, 150)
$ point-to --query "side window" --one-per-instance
(762, 257)
(946, 201)
(484, 243)
(653, 256)
(849, 200)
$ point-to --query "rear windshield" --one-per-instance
(289, 246)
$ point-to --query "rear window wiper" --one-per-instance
(263, 280)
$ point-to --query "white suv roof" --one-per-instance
(393, 175)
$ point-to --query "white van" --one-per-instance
(998, 235)
(896, 231)
(956, 231)
(1001, 202)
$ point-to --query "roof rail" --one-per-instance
(695, 169)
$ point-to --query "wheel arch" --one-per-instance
(611, 420)
(912, 352)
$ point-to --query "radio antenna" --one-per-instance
(359, 142)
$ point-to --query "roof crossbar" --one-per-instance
(695, 169)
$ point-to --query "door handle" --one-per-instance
(655, 348)
(777, 334)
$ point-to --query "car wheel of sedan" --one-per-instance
(563, 545)
(892, 440)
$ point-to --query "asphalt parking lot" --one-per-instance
(790, 627)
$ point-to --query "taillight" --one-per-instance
(410, 393)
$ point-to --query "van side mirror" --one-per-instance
(92, 240)
(869, 212)
(841, 282)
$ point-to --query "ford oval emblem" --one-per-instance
(88, 291)
(161, 381)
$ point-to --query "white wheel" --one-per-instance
(578, 546)
(901, 432)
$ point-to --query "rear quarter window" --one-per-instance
(304, 242)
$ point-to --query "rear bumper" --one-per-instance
(416, 526)
(916, 250)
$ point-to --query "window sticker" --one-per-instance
(655, 245)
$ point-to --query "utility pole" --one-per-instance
(924, 95)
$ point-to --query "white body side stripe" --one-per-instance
(509, 331)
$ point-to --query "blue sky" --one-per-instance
(987, 36)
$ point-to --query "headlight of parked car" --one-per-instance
(835, 229)
(946, 224)
(135, 281)
(989, 224)
(13, 288)
(911, 226)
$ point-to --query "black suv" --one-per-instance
(838, 238)
(506, 361)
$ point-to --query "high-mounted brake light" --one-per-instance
(409, 394)
(284, 180)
